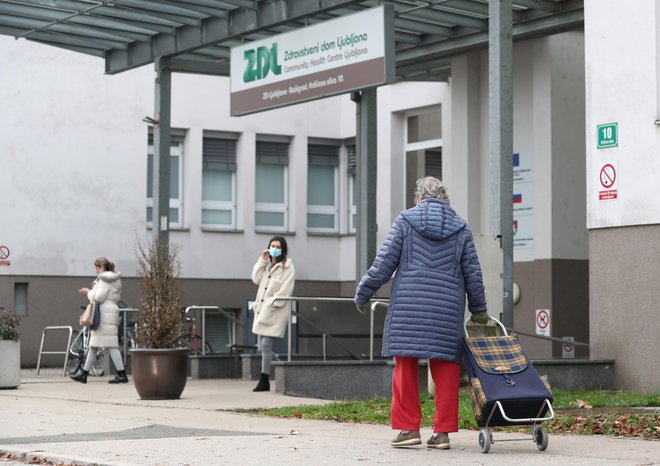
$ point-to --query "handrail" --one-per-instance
(295, 299)
(543, 337)
(324, 335)
(379, 304)
(374, 307)
(125, 310)
(195, 307)
(65, 352)
(187, 309)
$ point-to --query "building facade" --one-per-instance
(75, 151)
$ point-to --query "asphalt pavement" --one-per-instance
(52, 420)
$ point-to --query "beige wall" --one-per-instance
(623, 293)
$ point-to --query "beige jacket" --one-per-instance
(270, 319)
(107, 292)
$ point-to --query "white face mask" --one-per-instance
(275, 252)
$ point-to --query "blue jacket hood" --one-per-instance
(434, 218)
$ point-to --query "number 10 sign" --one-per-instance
(608, 135)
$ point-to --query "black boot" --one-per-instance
(263, 385)
(119, 378)
(82, 377)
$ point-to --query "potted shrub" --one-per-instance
(10, 350)
(159, 367)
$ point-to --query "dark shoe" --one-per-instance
(439, 440)
(407, 438)
(82, 377)
(119, 378)
(263, 385)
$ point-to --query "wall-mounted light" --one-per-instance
(516, 293)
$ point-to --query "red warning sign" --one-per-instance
(607, 175)
(608, 180)
(4, 255)
(543, 322)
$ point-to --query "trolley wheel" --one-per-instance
(541, 438)
(484, 440)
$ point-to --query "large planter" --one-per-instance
(159, 374)
(10, 363)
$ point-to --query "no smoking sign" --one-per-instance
(543, 322)
(607, 177)
(4, 256)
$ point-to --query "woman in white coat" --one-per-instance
(275, 275)
(106, 291)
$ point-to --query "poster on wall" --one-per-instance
(523, 200)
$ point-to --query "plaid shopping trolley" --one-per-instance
(505, 388)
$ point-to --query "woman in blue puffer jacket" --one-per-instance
(430, 248)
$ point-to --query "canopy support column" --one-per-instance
(500, 115)
(366, 164)
(161, 166)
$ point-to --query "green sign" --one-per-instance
(608, 135)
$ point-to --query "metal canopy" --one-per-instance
(196, 35)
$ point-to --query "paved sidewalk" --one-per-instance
(51, 418)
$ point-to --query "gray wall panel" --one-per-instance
(623, 291)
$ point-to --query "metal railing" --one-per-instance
(124, 330)
(228, 315)
(65, 352)
(188, 309)
(376, 305)
(295, 299)
(544, 337)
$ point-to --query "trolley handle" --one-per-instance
(491, 318)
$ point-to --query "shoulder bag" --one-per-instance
(87, 317)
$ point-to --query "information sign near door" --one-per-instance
(608, 135)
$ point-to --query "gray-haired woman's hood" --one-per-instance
(434, 218)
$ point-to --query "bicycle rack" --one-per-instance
(65, 352)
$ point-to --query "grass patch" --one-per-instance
(585, 412)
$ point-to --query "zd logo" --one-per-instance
(260, 62)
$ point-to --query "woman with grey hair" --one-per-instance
(430, 187)
(430, 248)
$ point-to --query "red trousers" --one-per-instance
(406, 410)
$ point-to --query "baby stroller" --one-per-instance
(505, 389)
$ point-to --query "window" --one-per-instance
(423, 149)
(176, 178)
(20, 298)
(322, 192)
(271, 183)
(352, 210)
(219, 182)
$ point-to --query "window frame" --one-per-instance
(325, 209)
(351, 174)
(176, 150)
(283, 207)
(230, 205)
